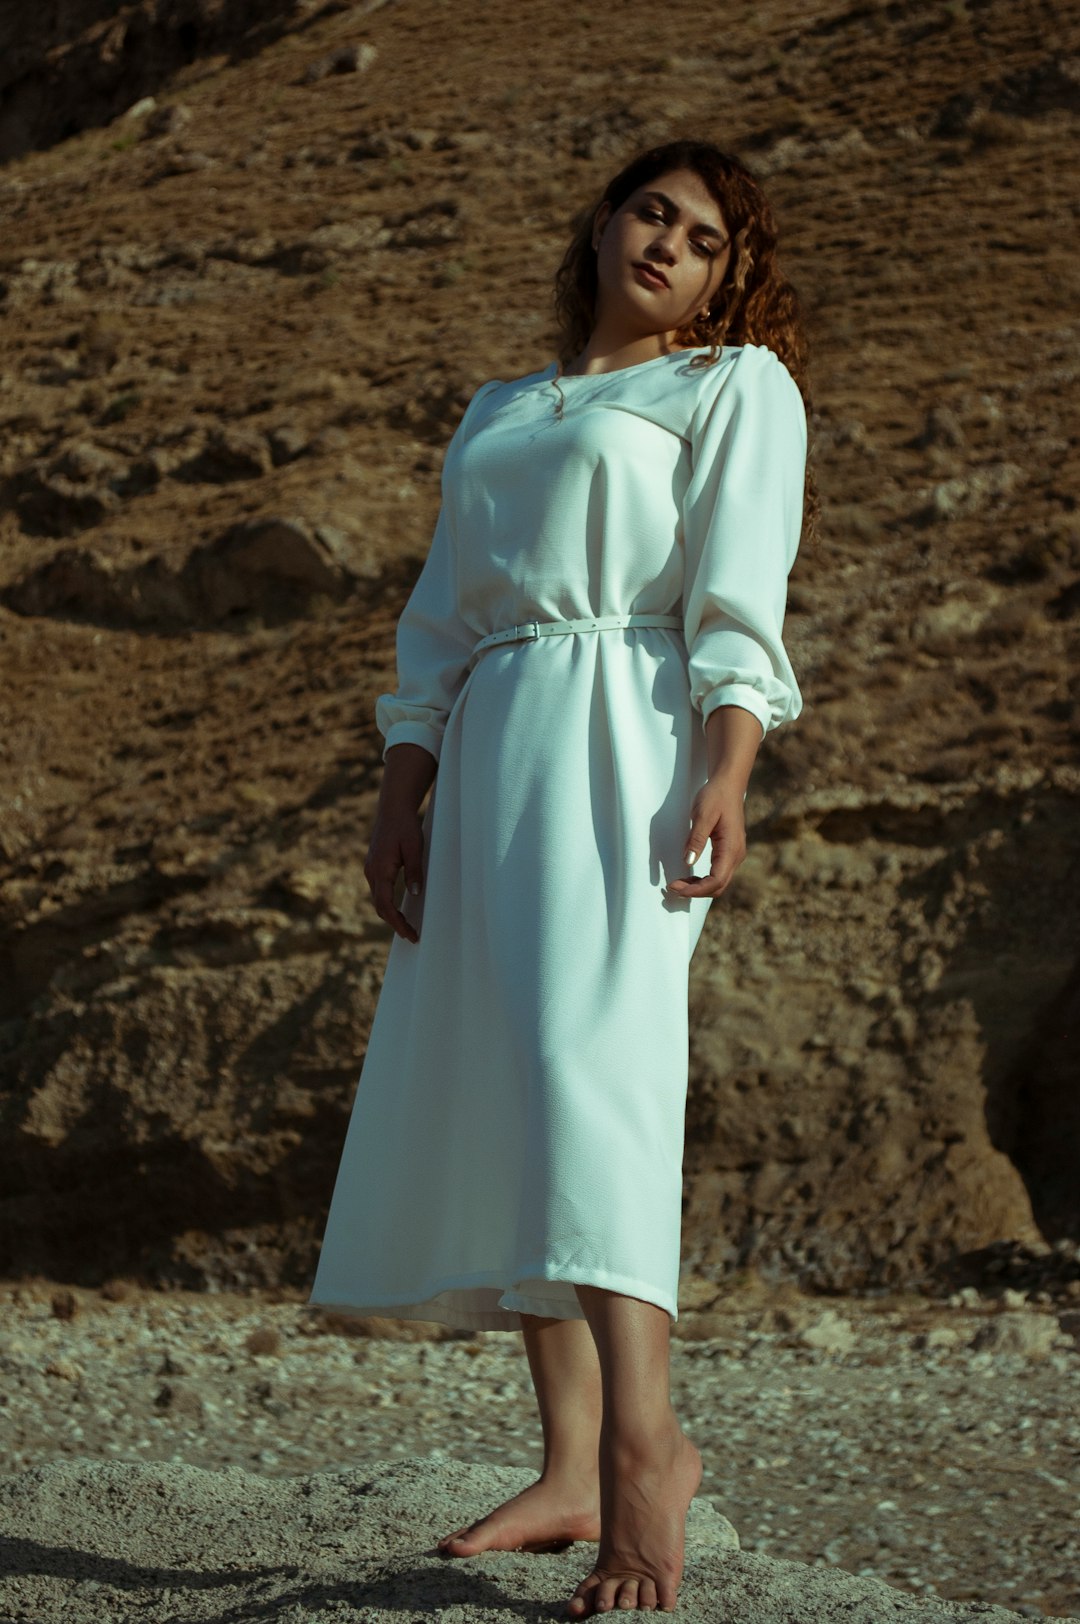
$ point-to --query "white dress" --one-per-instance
(518, 1125)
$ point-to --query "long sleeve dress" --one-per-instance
(518, 1126)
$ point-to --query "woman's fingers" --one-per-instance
(402, 926)
(382, 883)
(724, 827)
(412, 856)
(385, 859)
(704, 885)
(729, 849)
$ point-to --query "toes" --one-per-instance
(605, 1595)
(627, 1594)
(451, 1541)
(599, 1595)
(581, 1602)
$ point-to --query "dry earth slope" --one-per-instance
(240, 321)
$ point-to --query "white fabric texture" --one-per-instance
(518, 1126)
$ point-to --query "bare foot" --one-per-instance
(547, 1516)
(645, 1494)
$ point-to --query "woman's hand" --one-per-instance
(397, 842)
(733, 735)
(397, 839)
(717, 815)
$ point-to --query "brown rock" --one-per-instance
(265, 1340)
(882, 1084)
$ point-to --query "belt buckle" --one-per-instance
(530, 630)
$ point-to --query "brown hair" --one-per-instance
(755, 303)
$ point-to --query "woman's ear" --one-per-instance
(600, 220)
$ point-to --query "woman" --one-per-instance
(587, 664)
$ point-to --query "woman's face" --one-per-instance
(674, 225)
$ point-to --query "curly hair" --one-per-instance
(755, 303)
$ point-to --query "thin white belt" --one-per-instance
(550, 628)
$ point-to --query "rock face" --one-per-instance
(85, 1540)
(241, 323)
(67, 69)
(274, 568)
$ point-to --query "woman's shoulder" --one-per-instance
(492, 393)
(474, 411)
(747, 362)
(755, 373)
(678, 391)
(690, 381)
(492, 397)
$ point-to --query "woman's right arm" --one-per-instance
(434, 651)
(434, 647)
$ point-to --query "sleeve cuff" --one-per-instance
(741, 694)
(414, 733)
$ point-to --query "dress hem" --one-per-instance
(481, 1285)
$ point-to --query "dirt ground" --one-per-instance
(933, 1447)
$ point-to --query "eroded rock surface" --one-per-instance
(241, 322)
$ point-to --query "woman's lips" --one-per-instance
(651, 278)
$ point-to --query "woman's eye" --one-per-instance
(654, 214)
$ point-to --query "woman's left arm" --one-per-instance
(742, 520)
(733, 736)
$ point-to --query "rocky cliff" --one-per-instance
(243, 309)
